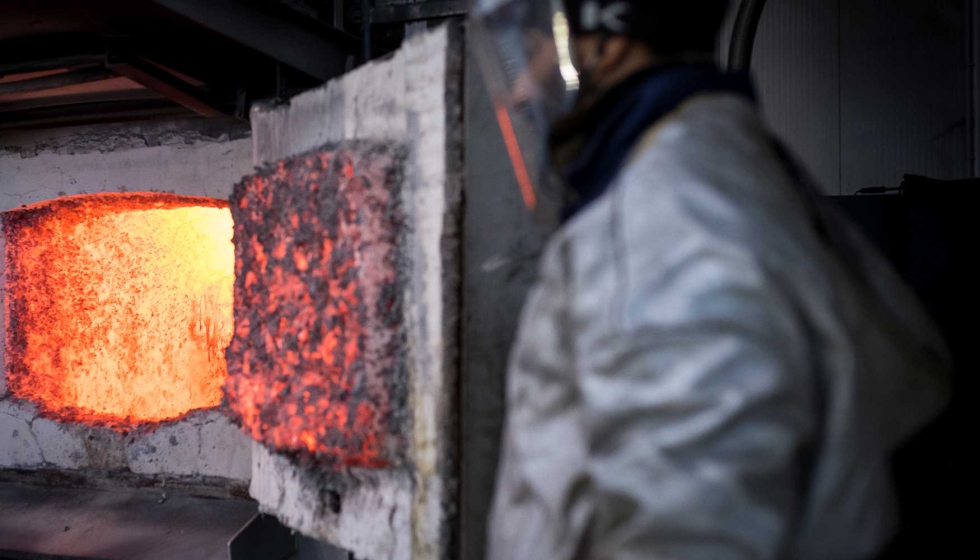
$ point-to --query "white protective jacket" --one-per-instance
(713, 365)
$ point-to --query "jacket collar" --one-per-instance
(591, 145)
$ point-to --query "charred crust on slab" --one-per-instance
(317, 362)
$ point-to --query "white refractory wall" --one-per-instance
(203, 158)
(411, 98)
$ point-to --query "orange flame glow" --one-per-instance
(118, 306)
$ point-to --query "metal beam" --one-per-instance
(91, 113)
(68, 101)
(71, 78)
(166, 84)
(51, 52)
(53, 63)
(316, 49)
(398, 13)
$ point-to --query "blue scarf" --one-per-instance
(607, 130)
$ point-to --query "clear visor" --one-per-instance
(524, 52)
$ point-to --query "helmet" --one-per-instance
(525, 52)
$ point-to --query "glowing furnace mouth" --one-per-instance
(118, 307)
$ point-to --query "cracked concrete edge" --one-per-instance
(372, 520)
(205, 444)
(120, 137)
(225, 450)
(57, 449)
(24, 411)
(18, 445)
(169, 449)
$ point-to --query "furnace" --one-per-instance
(118, 279)
(290, 328)
(118, 306)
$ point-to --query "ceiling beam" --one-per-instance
(78, 100)
(52, 63)
(311, 47)
(166, 84)
(91, 113)
(50, 52)
(63, 79)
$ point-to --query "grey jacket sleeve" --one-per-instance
(698, 413)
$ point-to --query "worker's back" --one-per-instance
(713, 365)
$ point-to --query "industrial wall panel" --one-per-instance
(903, 91)
(864, 91)
(796, 64)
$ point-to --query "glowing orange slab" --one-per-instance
(118, 306)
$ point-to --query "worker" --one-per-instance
(713, 364)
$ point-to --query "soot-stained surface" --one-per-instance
(314, 366)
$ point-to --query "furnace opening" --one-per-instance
(118, 306)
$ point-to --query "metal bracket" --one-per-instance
(262, 538)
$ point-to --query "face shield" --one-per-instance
(523, 49)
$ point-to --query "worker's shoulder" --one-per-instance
(710, 169)
(707, 178)
(708, 189)
(712, 142)
(721, 120)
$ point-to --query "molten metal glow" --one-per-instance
(118, 306)
(311, 366)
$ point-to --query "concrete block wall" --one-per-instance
(202, 158)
